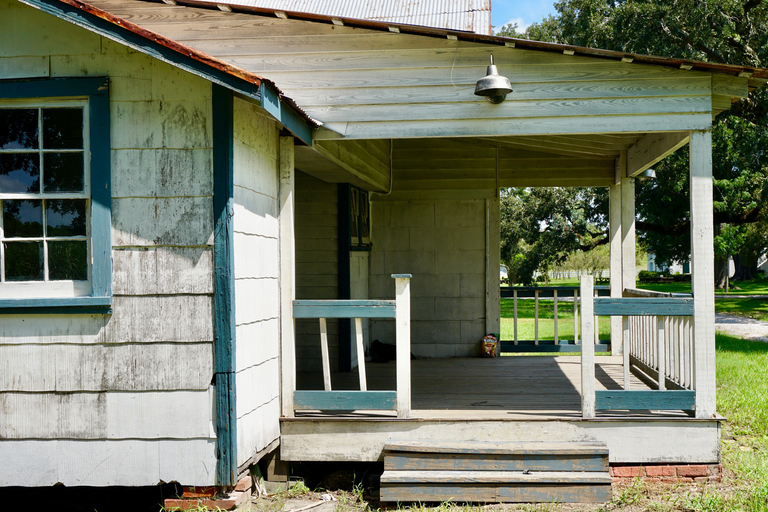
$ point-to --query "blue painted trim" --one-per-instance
(344, 400)
(402, 276)
(96, 89)
(667, 400)
(224, 281)
(287, 115)
(643, 306)
(271, 102)
(343, 309)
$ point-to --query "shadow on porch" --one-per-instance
(511, 388)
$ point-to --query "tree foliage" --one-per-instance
(721, 31)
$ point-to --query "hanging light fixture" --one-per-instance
(493, 86)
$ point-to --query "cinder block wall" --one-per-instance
(442, 243)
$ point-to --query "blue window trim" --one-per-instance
(96, 90)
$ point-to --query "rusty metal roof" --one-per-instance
(464, 15)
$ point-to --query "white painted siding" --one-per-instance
(317, 266)
(257, 293)
(121, 399)
(442, 243)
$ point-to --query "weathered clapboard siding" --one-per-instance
(130, 462)
(317, 267)
(142, 373)
(442, 243)
(256, 254)
(106, 415)
(358, 287)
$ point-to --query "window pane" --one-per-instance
(23, 261)
(65, 217)
(63, 172)
(19, 172)
(68, 261)
(62, 128)
(18, 128)
(22, 218)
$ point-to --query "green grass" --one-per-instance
(526, 323)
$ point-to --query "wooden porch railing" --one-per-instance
(557, 294)
(400, 310)
(653, 327)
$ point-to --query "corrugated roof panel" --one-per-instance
(467, 15)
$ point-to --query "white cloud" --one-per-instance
(521, 24)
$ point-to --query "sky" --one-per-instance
(522, 12)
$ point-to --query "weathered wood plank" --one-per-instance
(129, 367)
(127, 462)
(497, 477)
(162, 271)
(645, 399)
(257, 386)
(106, 415)
(185, 221)
(642, 306)
(256, 343)
(344, 309)
(344, 400)
(161, 172)
(162, 124)
(653, 148)
(25, 67)
(287, 262)
(588, 337)
(485, 462)
(54, 329)
(257, 430)
(144, 319)
(496, 448)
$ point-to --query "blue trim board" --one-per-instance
(96, 90)
(666, 400)
(344, 400)
(271, 102)
(343, 309)
(224, 281)
(642, 306)
(287, 116)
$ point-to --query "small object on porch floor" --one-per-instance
(490, 346)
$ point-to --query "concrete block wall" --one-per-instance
(442, 243)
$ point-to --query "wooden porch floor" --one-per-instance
(510, 388)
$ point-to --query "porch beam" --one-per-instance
(363, 163)
(287, 276)
(651, 149)
(702, 272)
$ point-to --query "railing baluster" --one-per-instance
(360, 354)
(575, 317)
(324, 355)
(555, 304)
(536, 318)
(660, 352)
(514, 294)
(403, 343)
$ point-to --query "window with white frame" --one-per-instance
(44, 190)
(55, 199)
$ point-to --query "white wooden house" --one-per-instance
(235, 159)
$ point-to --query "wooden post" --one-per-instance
(492, 264)
(555, 307)
(403, 341)
(587, 348)
(536, 317)
(514, 294)
(627, 254)
(702, 273)
(575, 317)
(614, 235)
(360, 354)
(287, 277)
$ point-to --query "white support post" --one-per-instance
(575, 317)
(661, 352)
(617, 285)
(324, 354)
(587, 348)
(360, 354)
(514, 295)
(403, 341)
(555, 306)
(702, 273)
(536, 317)
(287, 278)
(628, 257)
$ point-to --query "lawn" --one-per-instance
(526, 324)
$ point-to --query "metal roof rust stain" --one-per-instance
(197, 55)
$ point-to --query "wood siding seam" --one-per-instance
(257, 365)
(224, 309)
(257, 192)
(255, 409)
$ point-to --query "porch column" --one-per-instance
(492, 264)
(702, 273)
(287, 277)
(628, 258)
(614, 237)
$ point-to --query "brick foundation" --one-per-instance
(669, 472)
(194, 498)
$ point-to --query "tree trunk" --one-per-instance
(721, 273)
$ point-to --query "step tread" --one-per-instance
(494, 447)
(496, 477)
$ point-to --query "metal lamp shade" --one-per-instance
(493, 86)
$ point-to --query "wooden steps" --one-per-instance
(470, 471)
